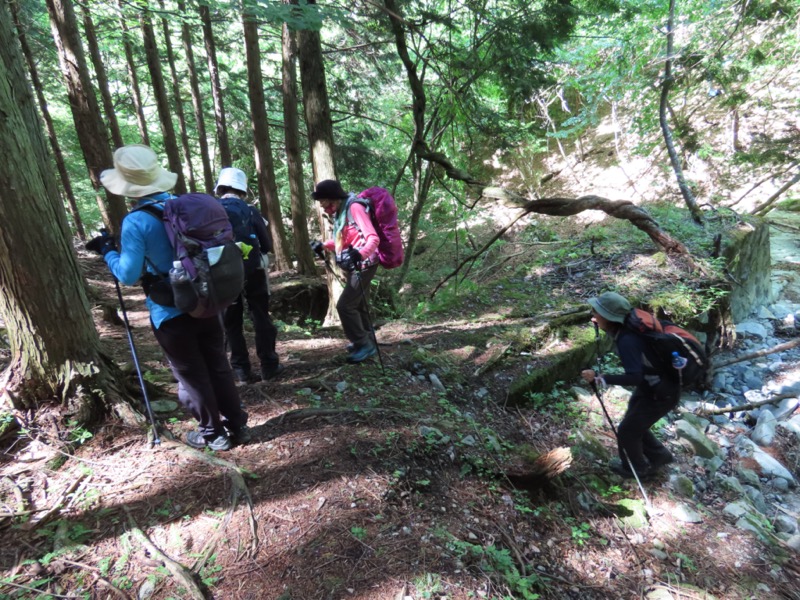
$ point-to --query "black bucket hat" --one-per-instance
(329, 189)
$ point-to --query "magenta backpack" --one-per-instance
(383, 212)
(202, 238)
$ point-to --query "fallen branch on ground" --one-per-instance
(760, 353)
(748, 406)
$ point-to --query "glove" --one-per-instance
(350, 260)
(317, 248)
(102, 244)
(355, 257)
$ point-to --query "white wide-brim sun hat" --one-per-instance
(137, 173)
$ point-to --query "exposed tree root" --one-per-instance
(183, 575)
(239, 490)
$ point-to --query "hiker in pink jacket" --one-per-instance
(355, 244)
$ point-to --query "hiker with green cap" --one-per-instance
(654, 395)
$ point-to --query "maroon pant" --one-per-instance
(196, 351)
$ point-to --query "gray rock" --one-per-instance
(163, 406)
(748, 476)
(785, 407)
(436, 383)
(737, 509)
(682, 485)
(757, 498)
(686, 514)
(768, 465)
(779, 484)
(341, 386)
(698, 442)
(754, 382)
(794, 542)
(751, 329)
(731, 483)
(785, 524)
(659, 554)
(764, 431)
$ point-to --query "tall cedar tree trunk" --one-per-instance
(666, 84)
(162, 103)
(66, 184)
(89, 127)
(224, 147)
(294, 160)
(54, 344)
(133, 77)
(188, 169)
(197, 101)
(102, 79)
(267, 188)
(320, 136)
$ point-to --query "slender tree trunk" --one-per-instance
(666, 84)
(294, 161)
(136, 94)
(267, 188)
(216, 88)
(188, 169)
(197, 102)
(55, 350)
(162, 103)
(102, 80)
(320, 136)
(419, 148)
(66, 184)
(89, 127)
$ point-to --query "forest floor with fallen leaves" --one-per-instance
(370, 482)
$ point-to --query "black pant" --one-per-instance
(196, 351)
(353, 309)
(256, 294)
(646, 406)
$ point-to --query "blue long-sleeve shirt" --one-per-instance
(143, 236)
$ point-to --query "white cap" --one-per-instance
(176, 264)
(233, 178)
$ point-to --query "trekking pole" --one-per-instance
(597, 393)
(156, 439)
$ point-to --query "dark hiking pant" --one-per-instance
(256, 294)
(196, 351)
(646, 406)
(353, 308)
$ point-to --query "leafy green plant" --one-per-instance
(498, 563)
(359, 533)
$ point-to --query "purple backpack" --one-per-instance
(202, 238)
(383, 211)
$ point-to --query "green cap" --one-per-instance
(611, 306)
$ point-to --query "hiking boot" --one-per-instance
(350, 348)
(623, 470)
(661, 459)
(272, 372)
(240, 436)
(218, 442)
(362, 353)
(243, 376)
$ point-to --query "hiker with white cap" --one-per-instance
(249, 228)
(654, 395)
(195, 347)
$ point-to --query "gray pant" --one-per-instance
(353, 309)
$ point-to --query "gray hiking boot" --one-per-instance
(219, 442)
